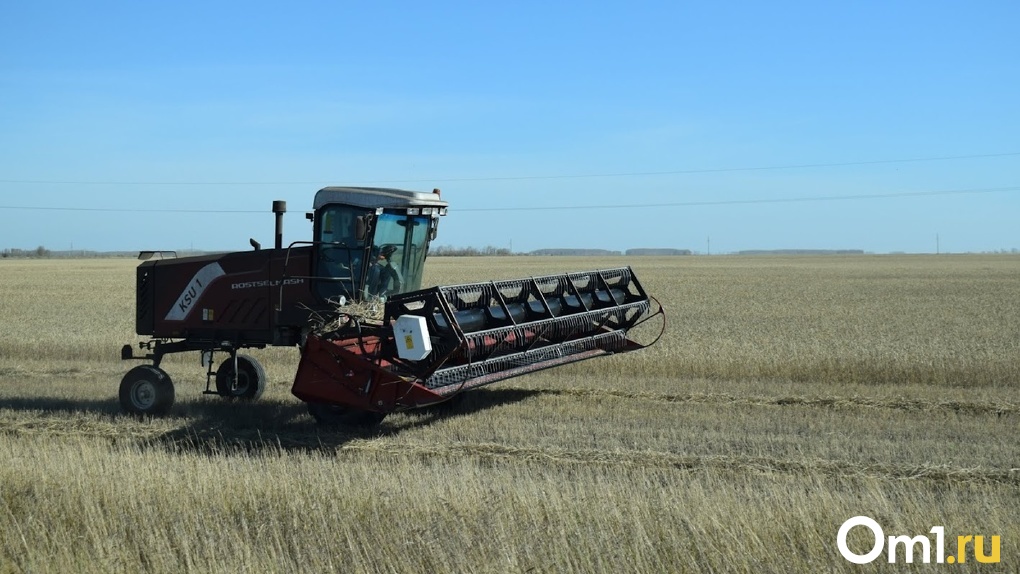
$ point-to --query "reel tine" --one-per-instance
(502, 329)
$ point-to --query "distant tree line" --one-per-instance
(801, 252)
(447, 251)
(600, 252)
(44, 253)
(574, 252)
(38, 252)
(658, 251)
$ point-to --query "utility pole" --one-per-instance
(938, 249)
(708, 244)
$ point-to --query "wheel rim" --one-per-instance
(143, 395)
(242, 384)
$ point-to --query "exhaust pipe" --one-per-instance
(279, 208)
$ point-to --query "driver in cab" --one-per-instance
(384, 275)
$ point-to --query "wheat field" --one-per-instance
(787, 395)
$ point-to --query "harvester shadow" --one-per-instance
(60, 405)
(219, 428)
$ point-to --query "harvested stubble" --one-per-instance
(788, 395)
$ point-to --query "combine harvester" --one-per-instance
(368, 251)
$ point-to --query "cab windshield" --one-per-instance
(389, 259)
(398, 254)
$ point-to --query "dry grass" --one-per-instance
(788, 395)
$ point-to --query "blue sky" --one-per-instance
(658, 109)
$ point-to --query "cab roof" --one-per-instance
(373, 197)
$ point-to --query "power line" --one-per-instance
(800, 199)
(711, 170)
(804, 199)
(127, 210)
(516, 177)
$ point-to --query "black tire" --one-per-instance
(251, 379)
(146, 390)
(449, 406)
(333, 416)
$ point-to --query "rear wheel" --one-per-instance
(249, 382)
(330, 415)
(146, 390)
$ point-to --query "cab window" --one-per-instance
(340, 254)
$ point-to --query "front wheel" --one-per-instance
(330, 415)
(249, 382)
(146, 390)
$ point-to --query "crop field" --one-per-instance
(788, 395)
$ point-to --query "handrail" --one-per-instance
(286, 262)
